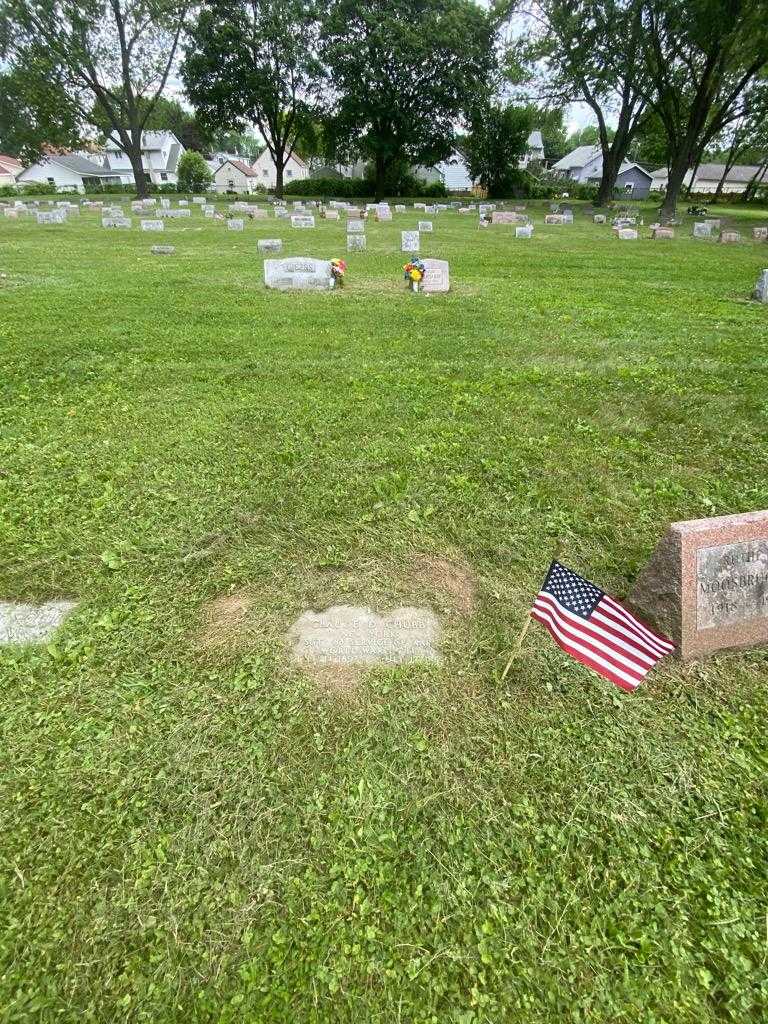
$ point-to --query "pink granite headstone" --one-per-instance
(706, 584)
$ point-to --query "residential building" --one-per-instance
(535, 150)
(585, 165)
(160, 153)
(235, 176)
(266, 172)
(708, 177)
(69, 172)
(10, 167)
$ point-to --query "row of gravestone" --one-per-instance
(705, 587)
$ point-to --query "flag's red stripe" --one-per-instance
(605, 643)
(601, 661)
(610, 621)
(610, 638)
(622, 618)
(662, 641)
(584, 658)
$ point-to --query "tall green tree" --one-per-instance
(497, 139)
(112, 56)
(194, 173)
(403, 74)
(594, 54)
(167, 115)
(36, 111)
(256, 62)
(701, 57)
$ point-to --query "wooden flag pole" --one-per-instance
(516, 650)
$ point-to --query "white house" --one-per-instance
(235, 176)
(535, 150)
(68, 173)
(160, 153)
(708, 177)
(266, 172)
(10, 167)
(454, 174)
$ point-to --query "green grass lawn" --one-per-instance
(193, 830)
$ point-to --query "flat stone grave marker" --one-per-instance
(163, 250)
(281, 213)
(183, 202)
(425, 225)
(400, 208)
(208, 211)
(353, 635)
(302, 221)
(524, 231)
(760, 234)
(331, 214)
(31, 623)
(235, 224)
(410, 241)
(729, 237)
(51, 217)
(165, 203)
(706, 584)
(714, 223)
(504, 217)
(298, 273)
(662, 232)
(115, 222)
(183, 213)
(761, 288)
(270, 245)
(200, 200)
(599, 218)
(419, 206)
(356, 243)
(554, 218)
(436, 277)
(152, 225)
(627, 234)
(355, 227)
(702, 230)
(383, 213)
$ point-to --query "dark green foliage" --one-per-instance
(403, 73)
(256, 62)
(496, 141)
(194, 173)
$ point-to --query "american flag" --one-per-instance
(596, 630)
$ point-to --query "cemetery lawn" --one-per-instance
(196, 831)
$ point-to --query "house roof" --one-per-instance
(243, 167)
(10, 164)
(714, 172)
(627, 165)
(578, 157)
(535, 140)
(80, 165)
(150, 141)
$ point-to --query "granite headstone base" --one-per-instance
(706, 584)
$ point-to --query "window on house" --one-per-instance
(163, 177)
(231, 185)
(265, 172)
(289, 174)
(51, 181)
(629, 187)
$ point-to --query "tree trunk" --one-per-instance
(757, 179)
(279, 175)
(730, 160)
(607, 180)
(674, 184)
(133, 151)
(381, 170)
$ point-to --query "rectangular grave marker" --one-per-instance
(298, 274)
(270, 245)
(706, 584)
(410, 241)
(436, 277)
(355, 227)
(302, 221)
(355, 243)
(425, 225)
(152, 225)
(235, 224)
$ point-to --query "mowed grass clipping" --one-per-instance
(194, 830)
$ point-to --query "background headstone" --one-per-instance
(152, 225)
(163, 250)
(305, 220)
(425, 225)
(235, 224)
(410, 241)
(270, 245)
(761, 288)
(355, 243)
